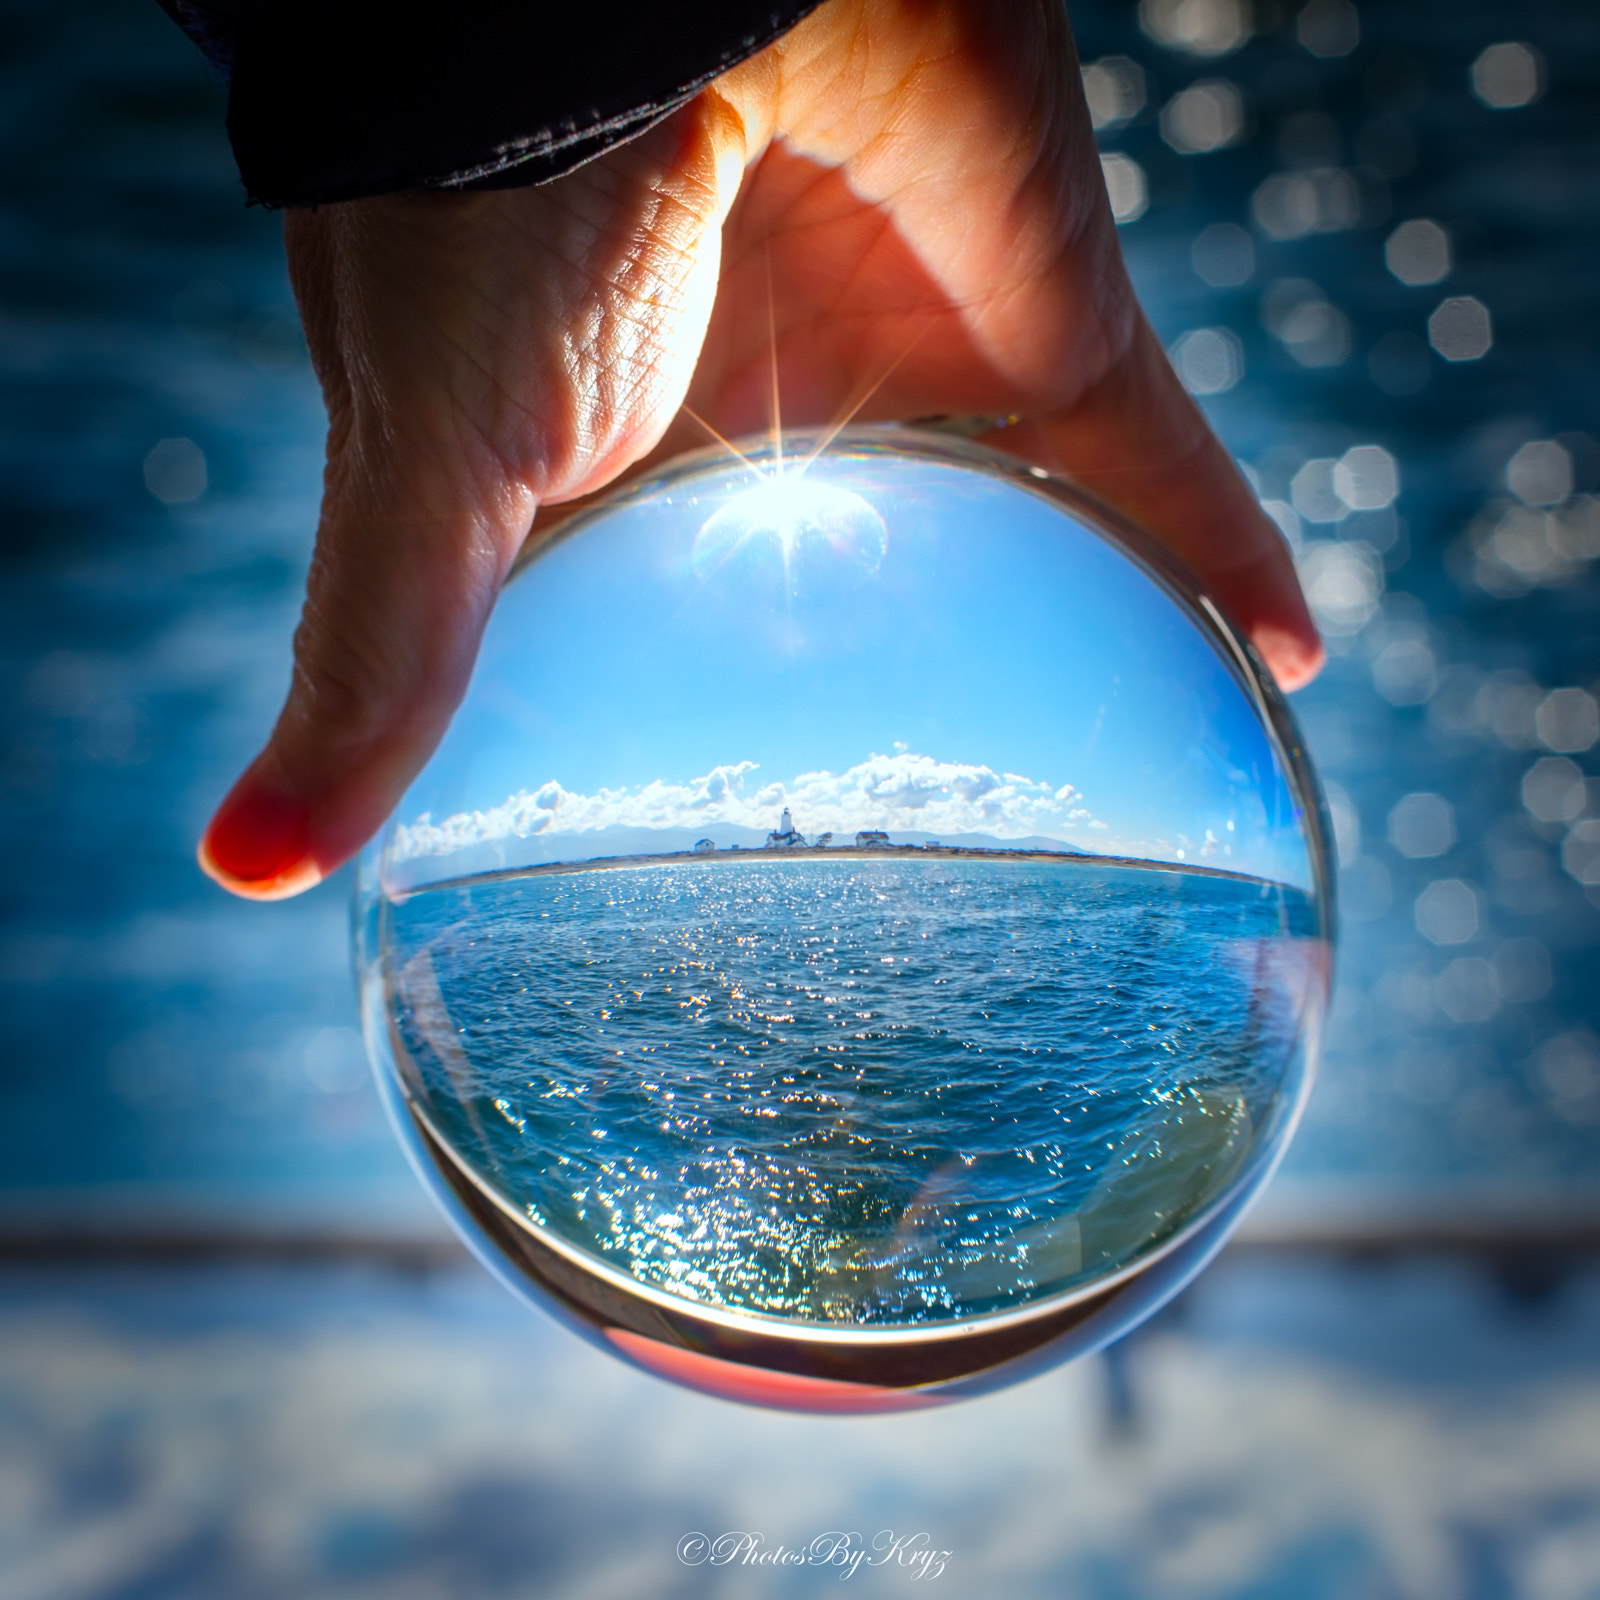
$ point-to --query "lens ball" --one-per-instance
(864, 935)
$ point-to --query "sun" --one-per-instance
(797, 513)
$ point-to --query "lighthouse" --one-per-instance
(783, 837)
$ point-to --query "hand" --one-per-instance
(899, 203)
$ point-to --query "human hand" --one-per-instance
(898, 206)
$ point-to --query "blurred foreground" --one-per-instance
(1294, 1427)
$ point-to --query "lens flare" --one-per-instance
(794, 515)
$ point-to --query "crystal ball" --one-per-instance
(863, 937)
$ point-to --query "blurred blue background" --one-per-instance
(238, 1356)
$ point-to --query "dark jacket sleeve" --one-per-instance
(339, 99)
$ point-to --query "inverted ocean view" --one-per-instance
(862, 1091)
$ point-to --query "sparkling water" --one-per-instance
(857, 1090)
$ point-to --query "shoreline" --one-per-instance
(870, 852)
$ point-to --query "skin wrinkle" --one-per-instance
(339, 679)
(348, 668)
(639, 291)
(412, 468)
(1112, 341)
(488, 428)
(856, 272)
(883, 78)
(1049, 171)
(480, 427)
(453, 548)
(639, 308)
(536, 470)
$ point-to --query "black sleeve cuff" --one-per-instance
(340, 99)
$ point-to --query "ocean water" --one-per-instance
(862, 1091)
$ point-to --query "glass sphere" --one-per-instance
(865, 933)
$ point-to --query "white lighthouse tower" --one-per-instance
(783, 837)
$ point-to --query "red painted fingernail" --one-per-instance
(259, 842)
(1293, 658)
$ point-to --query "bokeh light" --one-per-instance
(1115, 90)
(1329, 28)
(1209, 115)
(1197, 27)
(175, 471)
(1554, 789)
(1449, 911)
(1367, 478)
(1422, 826)
(1209, 360)
(1223, 255)
(1418, 252)
(1290, 205)
(1508, 75)
(1343, 583)
(1460, 330)
(1126, 187)
(1311, 328)
(1568, 720)
(1540, 473)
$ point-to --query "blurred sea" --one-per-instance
(167, 1059)
(1300, 211)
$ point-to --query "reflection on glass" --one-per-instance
(863, 934)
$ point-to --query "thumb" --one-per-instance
(480, 355)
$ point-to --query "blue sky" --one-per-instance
(883, 642)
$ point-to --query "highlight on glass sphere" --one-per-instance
(863, 938)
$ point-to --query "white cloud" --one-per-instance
(904, 791)
(903, 794)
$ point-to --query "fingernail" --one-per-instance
(259, 843)
(1295, 667)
